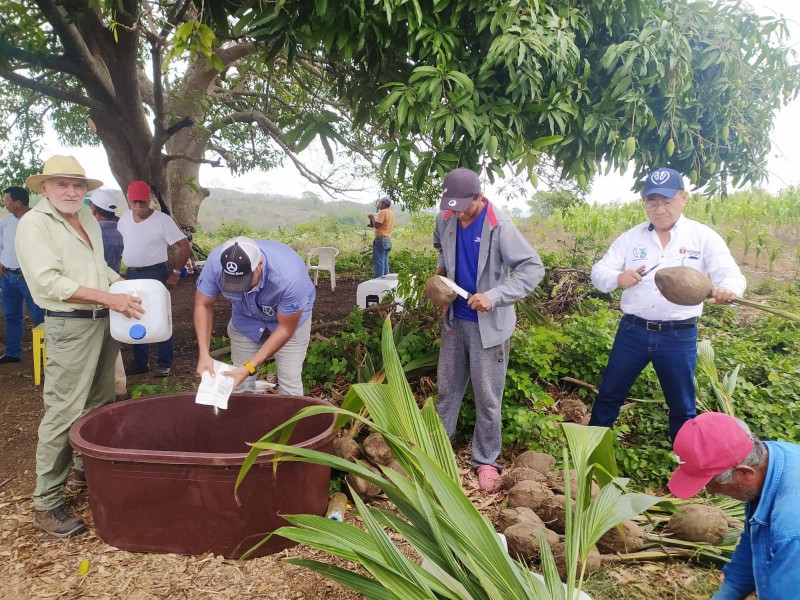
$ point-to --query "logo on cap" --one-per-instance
(659, 177)
(452, 203)
(231, 267)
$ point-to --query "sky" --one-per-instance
(783, 161)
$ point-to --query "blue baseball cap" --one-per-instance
(664, 182)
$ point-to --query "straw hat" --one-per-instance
(61, 166)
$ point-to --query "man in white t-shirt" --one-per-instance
(148, 234)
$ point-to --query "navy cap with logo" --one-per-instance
(663, 182)
(459, 189)
(239, 258)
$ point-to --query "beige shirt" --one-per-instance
(384, 223)
(55, 260)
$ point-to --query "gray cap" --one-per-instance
(459, 189)
(385, 199)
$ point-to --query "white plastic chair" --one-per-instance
(326, 262)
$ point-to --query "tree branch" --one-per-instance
(47, 90)
(200, 161)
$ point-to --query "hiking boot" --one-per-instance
(8, 359)
(78, 481)
(134, 369)
(58, 522)
(162, 372)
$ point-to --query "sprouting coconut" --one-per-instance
(513, 516)
(360, 486)
(438, 293)
(699, 523)
(614, 541)
(544, 463)
(556, 481)
(593, 561)
(553, 512)
(377, 450)
(530, 494)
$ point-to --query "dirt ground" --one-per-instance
(34, 565)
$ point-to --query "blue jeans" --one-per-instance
(15, 295)
(141, 352)
(380, 255)
(673, 353)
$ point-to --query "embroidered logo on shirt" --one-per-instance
(640, 252)
(685, 250)
(268, 310)
(231, 267)
(478, 240)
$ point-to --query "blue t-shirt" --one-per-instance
(112, 244)
(285, 288)
(468, 247)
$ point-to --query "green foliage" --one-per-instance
(155, 389)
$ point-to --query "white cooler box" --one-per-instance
(377, 290)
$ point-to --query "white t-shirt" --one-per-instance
(691, 244)
(146, 243)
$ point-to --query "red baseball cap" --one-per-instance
(706, 446)
(138, 190)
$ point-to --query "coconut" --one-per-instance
(683, 285)
(377, 450)
(438, 293)
(530, 494)
(396, 466)
(539, 461)
(629, 539)
(553, 512)
(514, 475)
(556, 481)
(593, 561)
(513, 516)
(699, 523)
(573, 410)
(523, 539)
(346, 448)
(360, 486)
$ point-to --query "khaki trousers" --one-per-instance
(120, 379)
(79, 377)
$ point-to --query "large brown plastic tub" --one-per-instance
(161, 473)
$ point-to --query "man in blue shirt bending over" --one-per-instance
(720, 454)
(271, 298)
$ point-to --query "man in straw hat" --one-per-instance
(721, 454)
(484, 253)
(60, 249)
(653, 329)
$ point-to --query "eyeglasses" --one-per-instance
(652, 204)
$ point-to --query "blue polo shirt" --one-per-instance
(285, 288)
(468, 247)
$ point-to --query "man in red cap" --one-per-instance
(719, 453)
(148, 234)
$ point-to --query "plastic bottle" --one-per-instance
(337, 507)
(155, 325)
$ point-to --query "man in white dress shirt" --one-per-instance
(653, 329)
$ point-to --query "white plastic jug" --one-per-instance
(155, 325)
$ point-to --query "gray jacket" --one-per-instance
(503, 248)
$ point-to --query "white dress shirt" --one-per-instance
(691, 244)
(8, 232)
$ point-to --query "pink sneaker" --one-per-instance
(488, 478)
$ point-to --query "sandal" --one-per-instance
(488, 478)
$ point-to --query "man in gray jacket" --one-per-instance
(478, 247)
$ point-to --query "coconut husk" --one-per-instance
(553, 512)
(377, 450)
(346, 448)
(699, 523)
(683, 285)
(360, 486)
(523, 539)
(514, 475)
(629, 539)
(514, 516)
(438, 293)
(556, 482)
(573, 410)
(530, 494)
(539, 461)
(593, 561)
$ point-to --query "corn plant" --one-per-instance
(464, 556)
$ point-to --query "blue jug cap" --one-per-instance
(137, 331)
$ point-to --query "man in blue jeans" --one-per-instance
(653, 329)
(383, 223)
(148, 234)
(15, 290)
